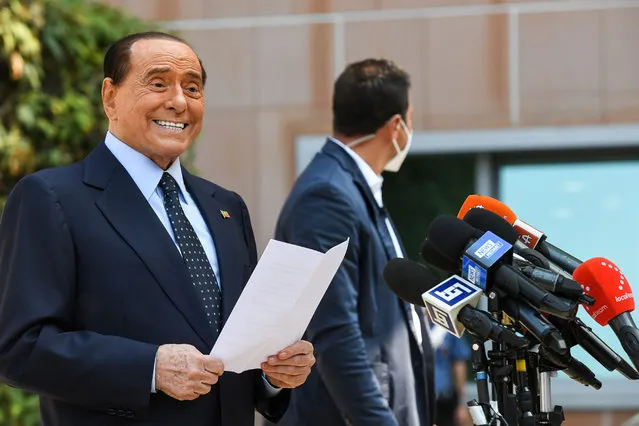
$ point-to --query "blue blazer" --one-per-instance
(91, 284)
(370, 369)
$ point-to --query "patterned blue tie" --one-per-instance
(199, 267)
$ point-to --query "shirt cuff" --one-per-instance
(153, 377)
(270, 389)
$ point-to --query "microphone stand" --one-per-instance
(502, 368)
(483, 410)
(545, 400)
(524, 394)
(520, 379)
(548, 414)
(501, 373)
(480, 372)
(496, 366)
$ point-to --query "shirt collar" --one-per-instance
(144, 172)
(373, 180)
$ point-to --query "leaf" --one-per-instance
(53, 45)
(26, 115)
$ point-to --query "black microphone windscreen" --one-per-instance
(485, 220)
(408, 280)
(433, 257)
(450, 235)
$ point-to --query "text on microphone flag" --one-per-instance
(444, 302)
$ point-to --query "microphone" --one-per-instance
(486, 220)
(474, 201)
(450, 303)
(554, 282)
(597, 348)
(573, 368)
(408, 279)
(531, 256)
(538, 259)
(433, 257)
(603, 280)
(546, 333)
(559, 257)
(485, 261)
(483, 325)
(532, 237)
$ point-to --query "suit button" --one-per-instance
(111, 412)
(130, 414)
(121, 413)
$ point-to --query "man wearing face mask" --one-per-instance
(374, 360)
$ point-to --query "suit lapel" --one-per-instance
(399, 240)
(135, 221)
(376, 213)
(384, 234)
(225, 237)
(406, 306)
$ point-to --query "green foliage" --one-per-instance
(18, 408)
(51, 54)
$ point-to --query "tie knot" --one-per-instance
(169, 186)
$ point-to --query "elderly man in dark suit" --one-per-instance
(374, 359)
(117, 273)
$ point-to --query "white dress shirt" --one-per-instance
(375, 182)
(146, 175)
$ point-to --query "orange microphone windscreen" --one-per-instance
(488, 203)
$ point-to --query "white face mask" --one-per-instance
(360, 140)
(396, 162)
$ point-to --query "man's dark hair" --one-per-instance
(117, 59)
(367, 94)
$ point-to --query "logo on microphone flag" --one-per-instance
(483, 254)
(527, 234)
(444, 301)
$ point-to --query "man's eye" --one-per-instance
(158, 84)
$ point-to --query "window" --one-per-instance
(588, 210)
(424, 188)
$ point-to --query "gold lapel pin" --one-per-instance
(225, 214)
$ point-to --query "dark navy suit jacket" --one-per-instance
(91, 284)
(370, 369)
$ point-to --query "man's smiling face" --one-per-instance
(157, 109)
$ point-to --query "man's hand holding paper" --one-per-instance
(270, 317)
(291, 366)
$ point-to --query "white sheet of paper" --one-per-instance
(277, 303)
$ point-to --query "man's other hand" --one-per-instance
(291, 366)
(183, 373)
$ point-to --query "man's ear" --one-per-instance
(395, 125)
(109, 92)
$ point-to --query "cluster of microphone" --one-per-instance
(533, 289)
